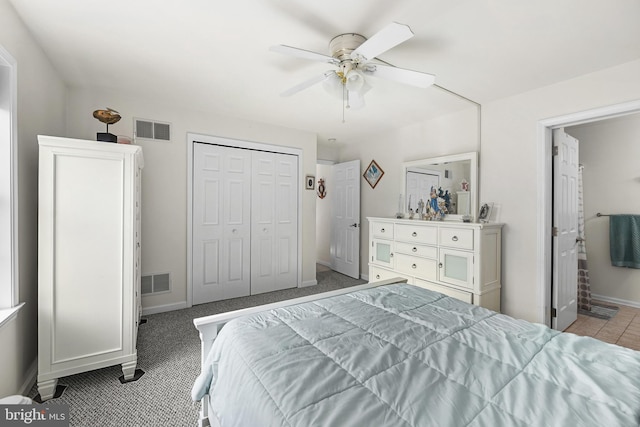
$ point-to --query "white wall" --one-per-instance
(610, 153)
(323, 216)
(41, 100)
(164, 179)
(509, 168)
(451, 134)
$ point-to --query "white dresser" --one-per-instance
(458, 259)
(89, 258)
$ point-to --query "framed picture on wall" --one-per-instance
(310, 182)
(373, 173)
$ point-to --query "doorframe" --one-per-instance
(544, 143)
(193, 138)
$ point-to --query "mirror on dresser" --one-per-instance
(453, 173)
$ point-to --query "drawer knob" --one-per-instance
(440, 265)
(377, 276)
(391, 254)
(415, 249)
(414, 234)
(454, 238)
(414, 266)
(382, 230)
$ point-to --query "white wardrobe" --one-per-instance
(88, 258)
(245, 222)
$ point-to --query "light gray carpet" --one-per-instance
(169, 353)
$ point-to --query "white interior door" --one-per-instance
(221, 222)
(565, 221)
(345, 219)
(274, 222)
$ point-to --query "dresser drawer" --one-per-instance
(413, 233)
(382, 230)
(423, 268)
(454, 293)
(377, 274)
(417, 250)
(456, 238)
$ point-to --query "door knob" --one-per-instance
(355, 224)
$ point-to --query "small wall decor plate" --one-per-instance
(310, 182)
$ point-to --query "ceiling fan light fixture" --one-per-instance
(333, 85)
(352, 53)
(354, 81)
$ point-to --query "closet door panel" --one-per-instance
(287, 221)
(263, 207)
(245, 222)
(274, 219)
(221, 223)
(211, 256)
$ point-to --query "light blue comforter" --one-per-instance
(399, 355)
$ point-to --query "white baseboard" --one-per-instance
(30, 378)
(164, 308)
(308, 283)
(612, 300)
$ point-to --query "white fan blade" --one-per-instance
(401, 75)
(301, 53)
(305, 84)
(390, 36)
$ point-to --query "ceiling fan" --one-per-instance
(353, 54)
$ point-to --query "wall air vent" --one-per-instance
(156, 283)
(150, 129)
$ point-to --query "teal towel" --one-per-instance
(624, 240)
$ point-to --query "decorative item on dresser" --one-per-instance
(88, 258)
(461, 260)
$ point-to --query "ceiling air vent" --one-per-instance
(152, 130)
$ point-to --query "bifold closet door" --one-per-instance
(274, 222)
(221, 223)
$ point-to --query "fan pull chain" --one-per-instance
(345, 100)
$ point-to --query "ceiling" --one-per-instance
(214, 56)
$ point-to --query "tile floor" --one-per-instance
(623, 329)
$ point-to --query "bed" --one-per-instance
(392, 354)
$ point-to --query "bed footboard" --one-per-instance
(209, 326)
